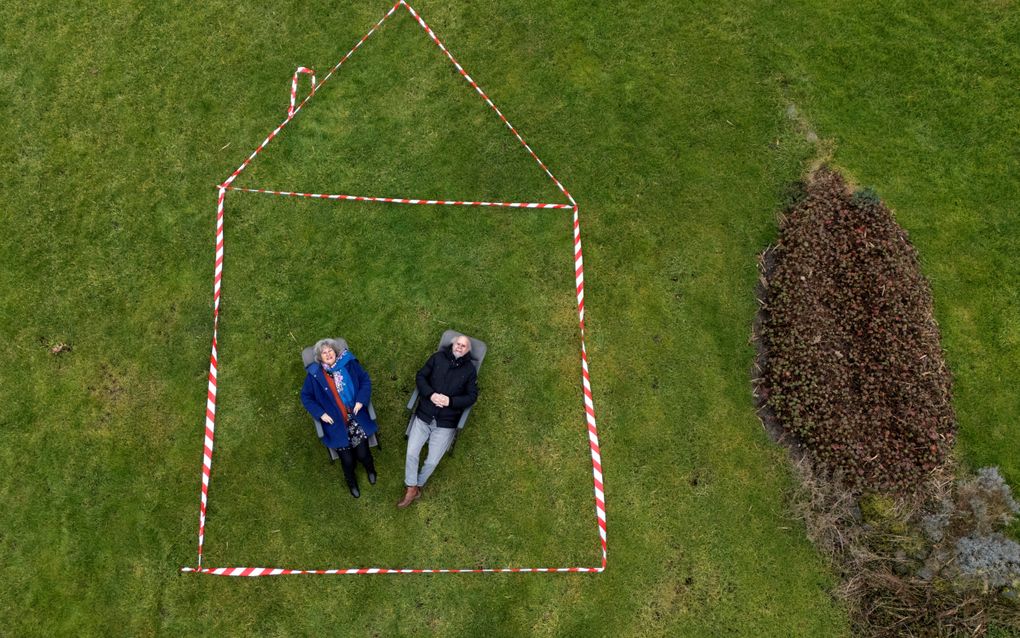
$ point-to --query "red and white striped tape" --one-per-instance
(293, 88)
(210, 418)
(292, 112)
(210, 403)
(402, 200)
(485, 97)
(589, 402)
(357, 571)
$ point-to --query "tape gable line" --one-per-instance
(481, 93)
(210, 420)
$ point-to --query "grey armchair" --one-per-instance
(477, 354)
(308, 357)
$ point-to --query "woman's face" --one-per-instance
(328, 356)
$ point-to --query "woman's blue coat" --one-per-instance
(318, 398)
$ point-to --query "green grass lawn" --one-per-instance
(666, 122)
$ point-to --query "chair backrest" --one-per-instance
(478, 346)
(308, 354)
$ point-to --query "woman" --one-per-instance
(336, 391)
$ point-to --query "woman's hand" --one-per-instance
(325, 418)
(357, 407)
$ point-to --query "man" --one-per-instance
(447, 384)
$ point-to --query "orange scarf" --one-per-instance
(336, 396)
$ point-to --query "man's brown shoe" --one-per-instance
(411, 495)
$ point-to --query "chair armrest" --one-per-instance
(463, 418)
(414, 399)
(318, 427)
(371, 411)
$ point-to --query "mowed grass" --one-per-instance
(390, 279)
(666, 122)
(925, 118)
(399, 121)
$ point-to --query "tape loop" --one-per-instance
(293, 88)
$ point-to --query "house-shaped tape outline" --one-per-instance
(210, 413)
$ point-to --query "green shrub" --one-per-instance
(853, 370)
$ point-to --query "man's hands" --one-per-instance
(439, 400)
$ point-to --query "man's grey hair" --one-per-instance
(322, 344)
(458, 336)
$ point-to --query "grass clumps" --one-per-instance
(854, 372)
(932, 563)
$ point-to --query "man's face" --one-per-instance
(328, 356)
(461, 346)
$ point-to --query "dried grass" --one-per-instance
(879, 581)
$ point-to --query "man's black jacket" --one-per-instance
(445, 374)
